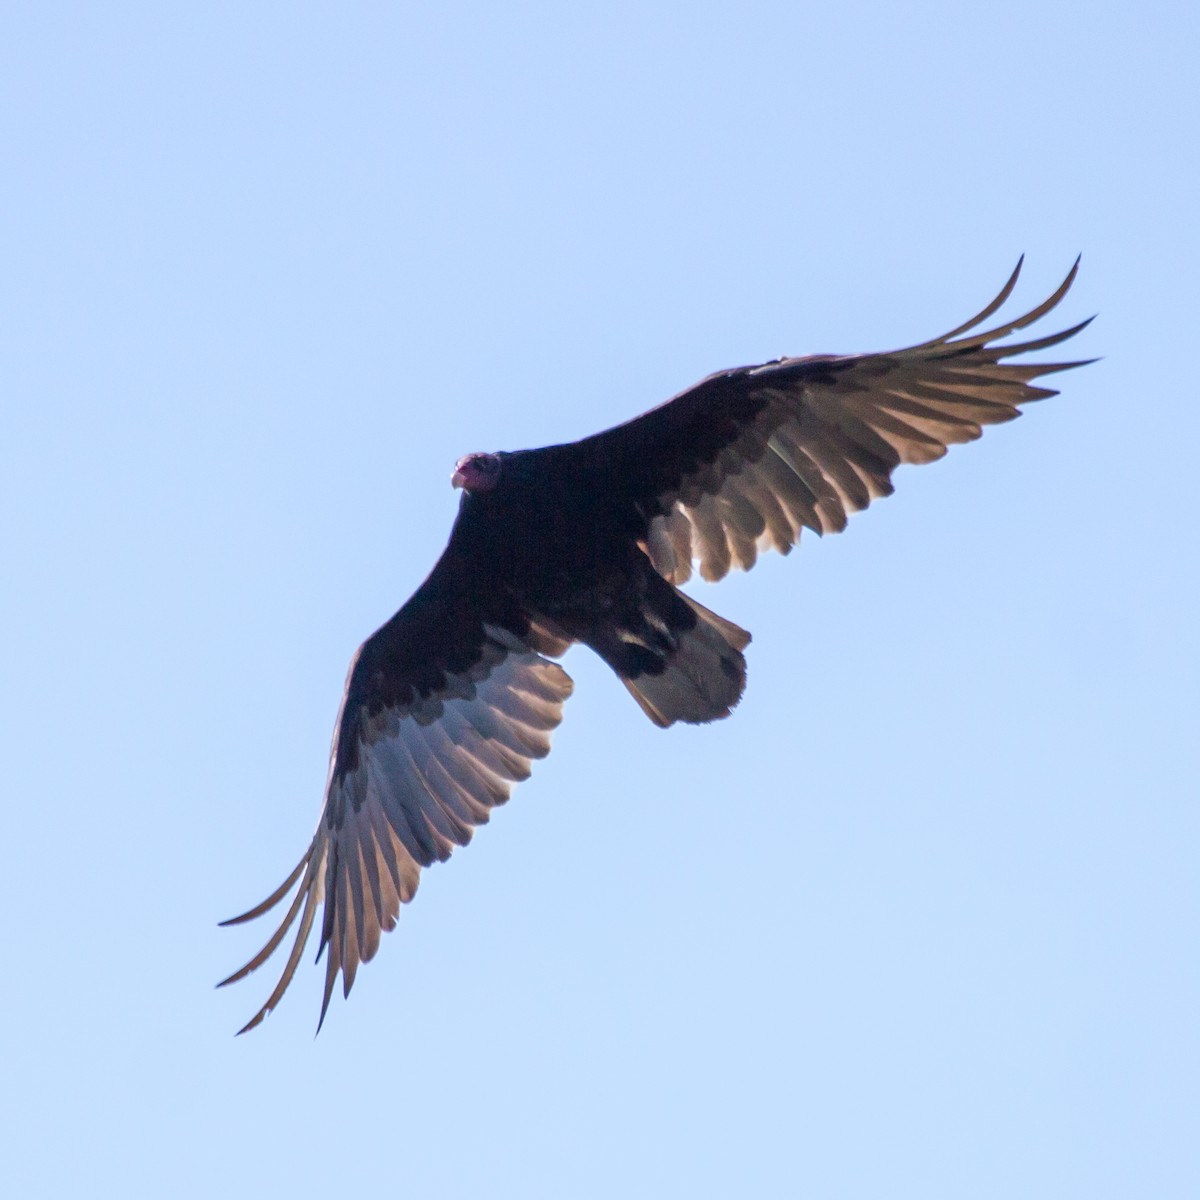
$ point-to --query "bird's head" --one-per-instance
(476, 472)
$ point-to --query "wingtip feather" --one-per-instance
(273, 899)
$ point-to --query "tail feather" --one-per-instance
(679, 660)
(703, 679)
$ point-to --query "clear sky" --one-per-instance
(920, 920)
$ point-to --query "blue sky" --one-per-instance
(920, 920)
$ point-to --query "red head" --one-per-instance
(477, 472)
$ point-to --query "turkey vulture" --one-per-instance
(447, 705)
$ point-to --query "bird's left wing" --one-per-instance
(445, 708)
(747, 458)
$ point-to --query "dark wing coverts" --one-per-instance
(744, 460)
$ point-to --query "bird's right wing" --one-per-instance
(747, 458)
(446, 706)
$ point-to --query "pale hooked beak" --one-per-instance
(458, 479)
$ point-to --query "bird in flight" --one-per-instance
(447, 705)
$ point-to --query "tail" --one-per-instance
(679, 660)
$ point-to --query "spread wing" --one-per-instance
(445, 708)
(747, 458)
